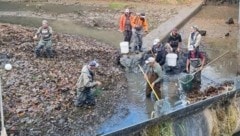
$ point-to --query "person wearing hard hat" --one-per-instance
(156, 46)
(140, 26)
(125, 25)
(45, 33)
(174, 41)
(154, 75)
(195, 61)
(85, 84)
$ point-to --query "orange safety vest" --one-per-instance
(138, 22)
(123, 21)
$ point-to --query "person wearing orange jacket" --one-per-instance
(125, 25)
(139, 24)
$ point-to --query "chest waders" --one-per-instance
(45, 42)
(194, 64)
(152, 76)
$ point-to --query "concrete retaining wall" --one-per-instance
(213, 116)
(175, 22)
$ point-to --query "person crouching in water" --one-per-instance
(195, 62)
(85, 84)
(154, 75)
(45, 33)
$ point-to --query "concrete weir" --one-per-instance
(212, 117)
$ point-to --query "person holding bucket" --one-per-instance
(125, 25)
(195, 61)
(154, 75)
(174, 41)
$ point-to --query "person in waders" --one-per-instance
(154, 75)
(85, 84)
(195, 61)
(140, 27)
(125, 25)
(45, 33)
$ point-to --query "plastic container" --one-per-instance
(186, 82)
(124, 46)
(171, 59)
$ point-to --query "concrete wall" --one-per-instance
(215, 116)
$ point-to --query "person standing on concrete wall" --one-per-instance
(174, 41)
(125, 25)
(140, 26)
(85, 84)
(45, 33)
(154, 75)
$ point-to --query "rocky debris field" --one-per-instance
(211, 91)
(38, 93)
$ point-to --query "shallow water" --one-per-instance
(67, 26)
(221, 70)
(139, 108)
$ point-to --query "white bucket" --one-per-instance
(171, 59)
(124, 46)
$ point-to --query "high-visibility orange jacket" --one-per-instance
(138, 22)
(123, 21)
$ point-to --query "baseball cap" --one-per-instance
(149, 60)
(142, 15)
(93, 63)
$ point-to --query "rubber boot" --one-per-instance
(49, 53)
(37, 53)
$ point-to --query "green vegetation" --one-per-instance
(163, 129)
(117, 5)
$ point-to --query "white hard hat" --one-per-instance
(190, 48)
(127, 10)
(44, 22)
(156, 41)
(149, 60)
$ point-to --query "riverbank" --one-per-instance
(38, 93)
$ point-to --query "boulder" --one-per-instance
(230, 21)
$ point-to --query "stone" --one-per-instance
(203, 32)
(230, 21)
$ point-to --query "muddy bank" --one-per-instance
(104, 15)
(38, 93)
